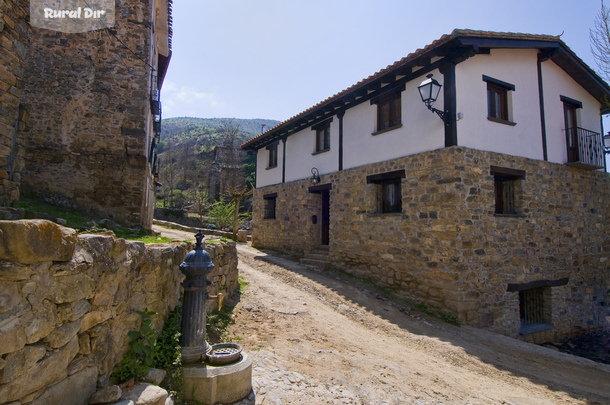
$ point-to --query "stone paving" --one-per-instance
(274, 384)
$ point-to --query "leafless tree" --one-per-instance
(600, 41)
(169, 173)
(237, 194)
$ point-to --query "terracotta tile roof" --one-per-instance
(456, 34)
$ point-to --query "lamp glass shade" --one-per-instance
(429, 89)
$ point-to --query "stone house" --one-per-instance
(14, 43)
(494, 207)
(95, 114)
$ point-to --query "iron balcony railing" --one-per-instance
(157, 120)
(155, 93)
(585, 148)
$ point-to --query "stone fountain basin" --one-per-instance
(224, 353)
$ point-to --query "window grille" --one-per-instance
(532, 307)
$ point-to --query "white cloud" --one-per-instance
(187, 102)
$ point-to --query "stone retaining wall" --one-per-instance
(449, 249)
(67, 302)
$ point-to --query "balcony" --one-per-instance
(157, 120)
(585, 149)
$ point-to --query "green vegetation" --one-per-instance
(84, 224)
(222, 213)
(206, 130)
(141, 357)
(217, 325)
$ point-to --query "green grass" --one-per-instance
(82, 222)
(74, 219)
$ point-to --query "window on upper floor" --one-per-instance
(389, 191)
(388, 112)
(269, 201)
(499, 100)
(507, 189)
(272, 149)
(322, 141)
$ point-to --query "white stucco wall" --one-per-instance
(267, 176)
(421, 131)
(558, 83)
(299, 153)
(517, 67)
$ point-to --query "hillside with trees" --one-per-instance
(200, 164)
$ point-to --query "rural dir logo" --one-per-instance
(72, 15)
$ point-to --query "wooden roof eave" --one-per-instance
(562, 56)
(369, 89)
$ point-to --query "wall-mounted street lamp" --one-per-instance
(315, 176)
(428, 90)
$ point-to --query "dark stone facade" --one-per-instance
(449, 249)
(14, 43)
(91, 145)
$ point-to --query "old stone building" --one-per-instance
(95, 113)
(14, 42)
(494, 207)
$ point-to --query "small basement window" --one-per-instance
(269, 206)
(535, 309)
(507, 189)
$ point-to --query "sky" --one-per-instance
(273, 59)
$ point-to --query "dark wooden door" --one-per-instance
(325, 217)
(569, 112)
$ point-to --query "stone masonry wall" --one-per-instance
(14, 42)
(89, 106)
(67, 302)
(448, 248)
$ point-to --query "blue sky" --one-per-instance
(275, 58)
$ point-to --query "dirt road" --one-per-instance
(346, 340)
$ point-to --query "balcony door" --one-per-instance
(569, 112)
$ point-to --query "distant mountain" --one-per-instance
(203, 132)
(188, 161)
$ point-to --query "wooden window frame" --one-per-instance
(388, 183)
(272, 156)
(390, 106)
(322, 137)
(505, 193)
(498, 100)
(270, 206)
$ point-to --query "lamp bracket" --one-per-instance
(442, 114)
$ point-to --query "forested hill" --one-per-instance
(205, 131)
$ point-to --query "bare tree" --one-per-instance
(237, 194)
(600, 41)
(229, 130)
(168, 172)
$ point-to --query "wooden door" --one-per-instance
(325, 237)
(569, 112)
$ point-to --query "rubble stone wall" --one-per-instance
(89, 101)
(67, 302)
(14, 43)
(449, 249)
